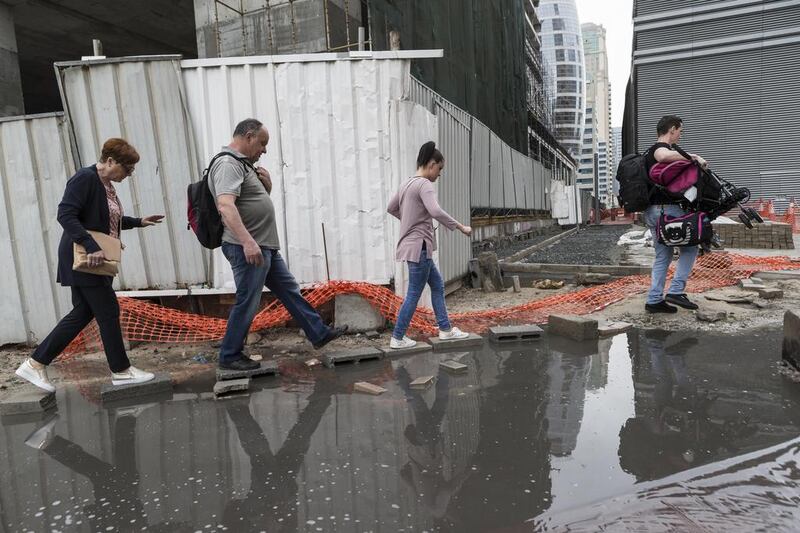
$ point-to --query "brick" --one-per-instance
(472, 340)
(420, 347)
(27, 401)
(522, 333)
(267, 368)
(791, 338)
(369, 388)
(423, 382)
(160, 384)
(351, 356)
(372, 335)
(573, 327)
(751, 285)
(610, 329)
(453, 366)
(770, 294)
(311, 363)
(231, 385)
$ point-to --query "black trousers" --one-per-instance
(99, 303)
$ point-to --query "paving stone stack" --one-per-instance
(774, 235)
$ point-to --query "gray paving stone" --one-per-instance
(368, 388)
(420, 347)
(710, 316)
(453, 366)
(27, 401)
(522, 333)
(472, 340)
(267, 368)
(610, 329)
(231, 385)
(577, 328)
(423, 382)
(345, 356)
(770, 293)
(161, 383)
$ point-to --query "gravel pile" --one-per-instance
(595, 245)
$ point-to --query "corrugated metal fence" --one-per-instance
(35, 162)
(344, 133)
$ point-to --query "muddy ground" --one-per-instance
(187, 360)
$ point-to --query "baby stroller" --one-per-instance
(716, 196)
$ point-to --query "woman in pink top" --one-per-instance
(415, 206)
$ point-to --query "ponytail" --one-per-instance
(427, 153)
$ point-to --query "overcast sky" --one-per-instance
(616, 16)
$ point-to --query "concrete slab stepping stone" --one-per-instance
(423, 382)
(161, 383)
(267, 368)
(355, 356)
(27, 401)
(521, 333)
(453, 366)
(368, 388)
(420, 347)
(231, 385)
(577, 328)
(609, 329)
(472, 340)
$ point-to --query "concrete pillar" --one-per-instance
(11, 102)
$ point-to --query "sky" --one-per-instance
(616, 17)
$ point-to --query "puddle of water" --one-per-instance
(531, 437)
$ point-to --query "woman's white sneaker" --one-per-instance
(35, 375)
(452, 335)
(405, 342)
(130, 376)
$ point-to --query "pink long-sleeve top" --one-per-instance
(415, 205)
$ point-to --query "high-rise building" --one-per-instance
(729, 69)
(598, 99)
(616, 140)
(562, 47)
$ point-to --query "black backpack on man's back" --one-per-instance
(635, 186)
(204, 218)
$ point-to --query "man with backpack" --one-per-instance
(669, 130)
(250, 243)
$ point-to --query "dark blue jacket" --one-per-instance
(84, 207)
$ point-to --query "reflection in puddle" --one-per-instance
(542, 430)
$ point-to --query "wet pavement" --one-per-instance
(645, 431)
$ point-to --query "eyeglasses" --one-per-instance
(128, 169)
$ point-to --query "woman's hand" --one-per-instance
(152, 220)
(466, 230)
(95, 259)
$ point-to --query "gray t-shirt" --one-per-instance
(230, 176)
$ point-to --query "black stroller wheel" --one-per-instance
(745, 220)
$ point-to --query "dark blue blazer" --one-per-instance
(84, 207)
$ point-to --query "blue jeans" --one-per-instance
(250, 281)
(664, 257)
(419, 274)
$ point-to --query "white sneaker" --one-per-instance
(130, 376)
(43, 436)
(404, 343)
(38, 377)
(452, 335)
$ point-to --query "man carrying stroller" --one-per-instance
(669, 129)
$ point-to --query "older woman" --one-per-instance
(91, 203)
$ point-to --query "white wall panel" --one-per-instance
(35, 162)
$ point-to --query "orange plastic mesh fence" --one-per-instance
(148, 322)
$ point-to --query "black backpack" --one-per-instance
(635, 187)
(204, 218)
